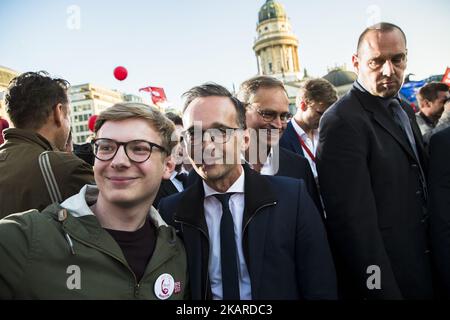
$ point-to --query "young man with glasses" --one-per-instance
(267, 114)
(247, 236)
(107, 242)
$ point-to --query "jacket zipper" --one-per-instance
(256, 212)
(207, 239)
(136, 284)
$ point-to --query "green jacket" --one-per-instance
(64, 253)
(22, 186)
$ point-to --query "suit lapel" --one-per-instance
(417, 136)
(169, 187)
(384, 119)
(293, 138)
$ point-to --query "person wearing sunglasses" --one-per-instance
(106, 242)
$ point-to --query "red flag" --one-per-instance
(158, 94)
(446, 78)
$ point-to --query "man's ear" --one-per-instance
(425, 104)
(303, 105)
(169, 167)
(59, 114)
(355, 62)
(245, 140)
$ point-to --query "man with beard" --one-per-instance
(247, 236)
(371, 165)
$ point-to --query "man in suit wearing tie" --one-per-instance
(371, 165)
(267, 112)
(301, 136)
(247, 236)
(439, 186)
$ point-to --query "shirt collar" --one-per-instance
(174, 174)
(236, 187)
(384, 101)
(266, 165)
(302, 132)
(298, 129)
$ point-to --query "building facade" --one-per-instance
(6, 75)
(87, 100)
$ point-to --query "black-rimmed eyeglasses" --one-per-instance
(218, 135)
(270, 116)
(136, 150)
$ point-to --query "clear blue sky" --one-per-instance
(178, 44)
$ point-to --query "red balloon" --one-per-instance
(120, 73)
(3, 124)
(91, 122)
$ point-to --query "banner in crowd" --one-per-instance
(446, 78)
(158, 94)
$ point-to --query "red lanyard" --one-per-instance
(313, 158)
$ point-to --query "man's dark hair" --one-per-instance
(211, 89)
(31, 98)
(249, 87)
(430, 90)
(176, 119)
(380, 27)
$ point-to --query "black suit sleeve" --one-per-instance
(315, 267)
(352, 221)
(439, 188)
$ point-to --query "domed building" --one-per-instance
(6, 75)
(341, 79)
(276, 47)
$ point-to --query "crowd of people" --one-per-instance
(236, 198)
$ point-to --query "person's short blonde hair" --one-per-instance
(131, 110)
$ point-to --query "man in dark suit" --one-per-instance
(439, 186)
(301, 136)
(247, 236)
(267, 112)
(176, 183)
(371, 165)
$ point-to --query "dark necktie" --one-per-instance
(402, 119)
(228, 251)
(182, 177)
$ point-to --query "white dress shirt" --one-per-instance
(271, 166)
(177, 183)
(311, 144)
(213, 215)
